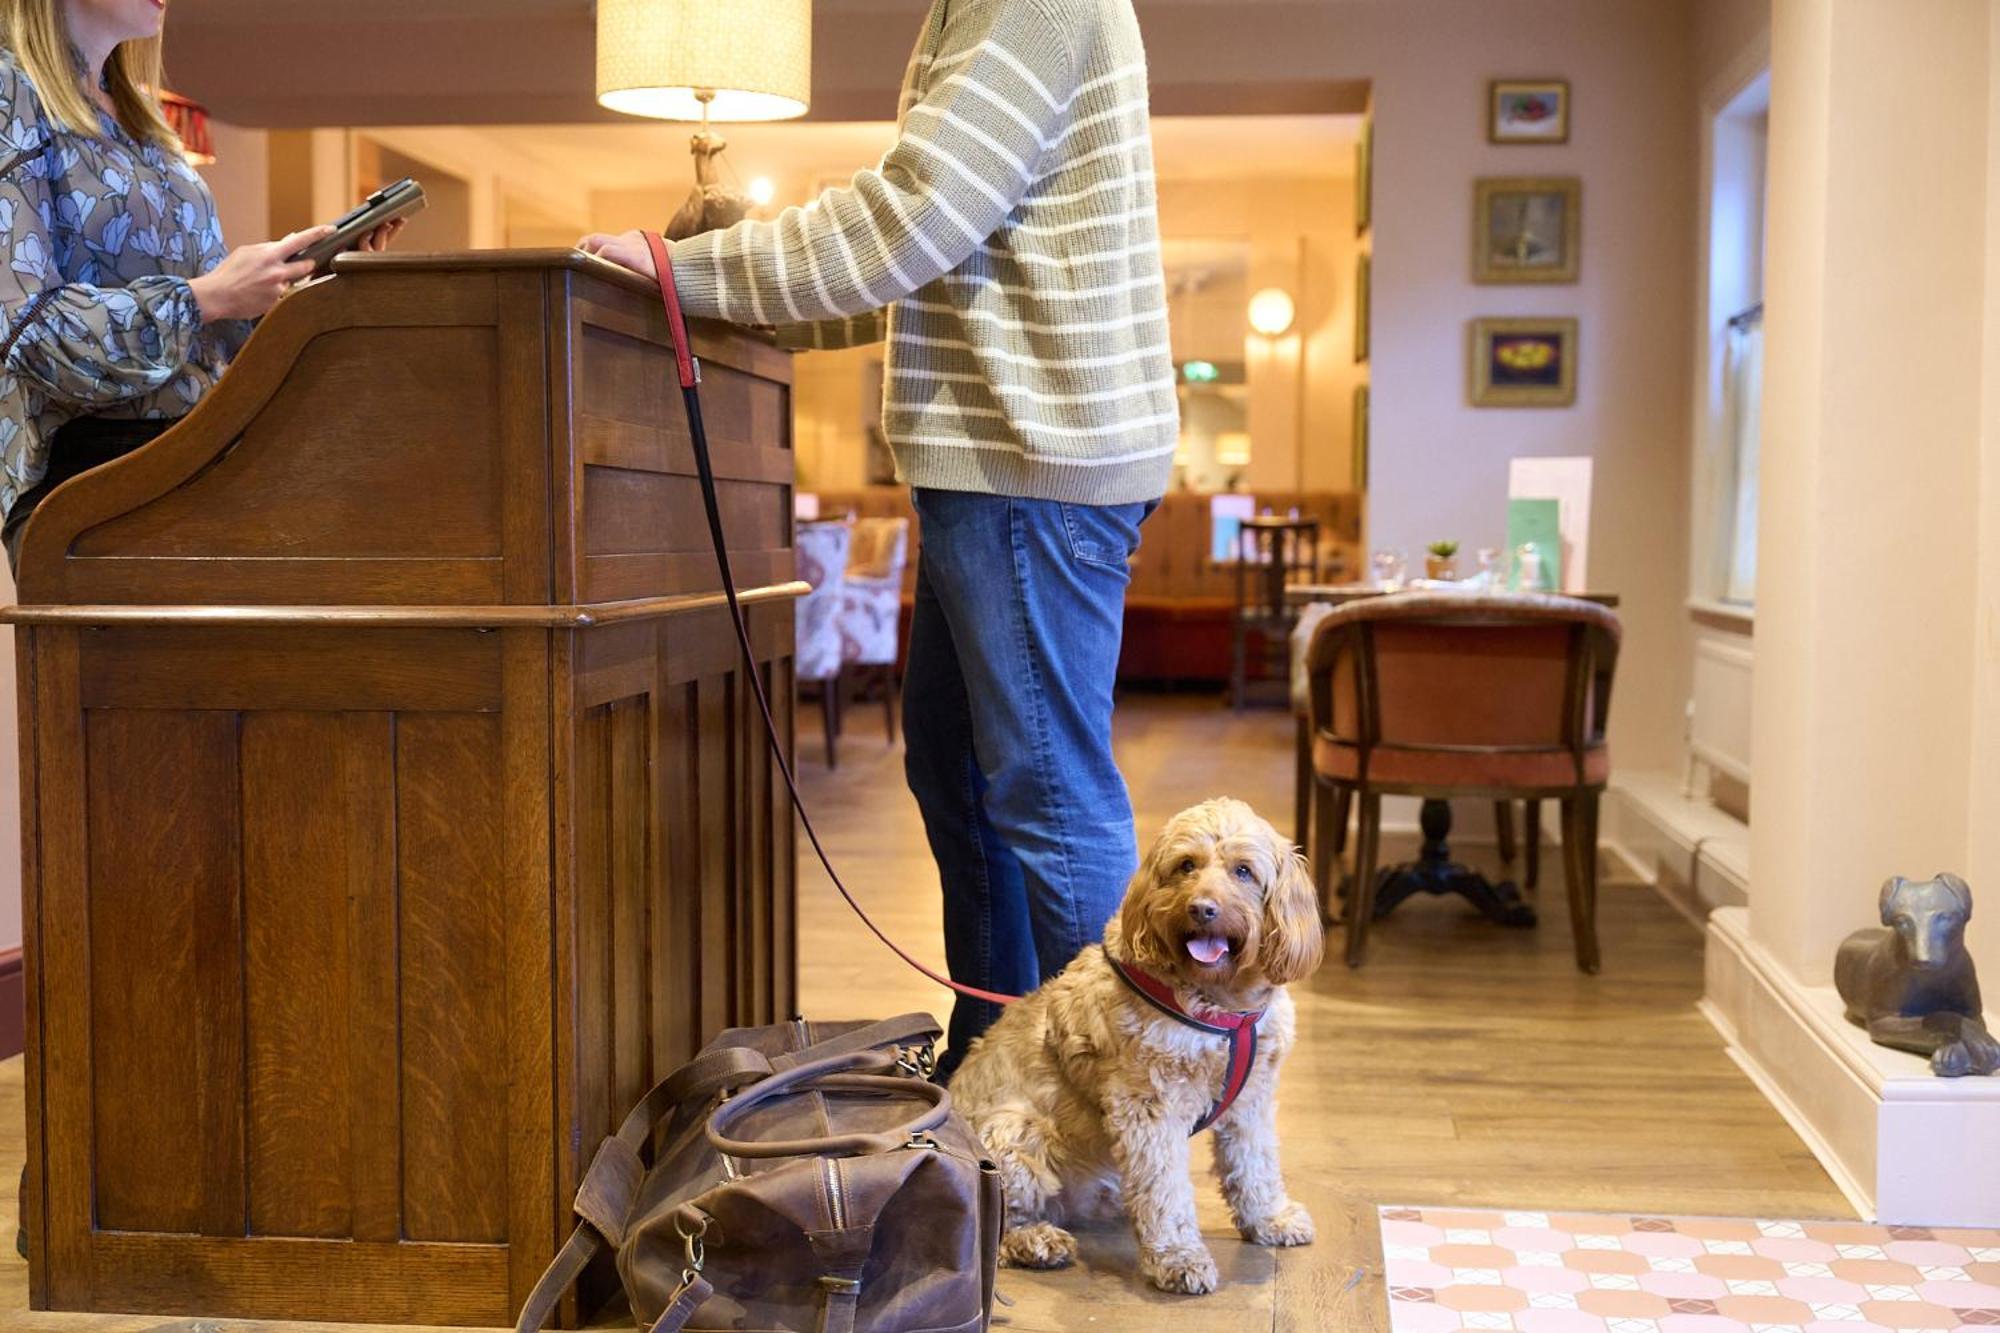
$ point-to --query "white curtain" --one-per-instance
(1745, 402)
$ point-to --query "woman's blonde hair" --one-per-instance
(37, 32)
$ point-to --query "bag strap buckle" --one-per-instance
(697, 1254)
(917, 1061)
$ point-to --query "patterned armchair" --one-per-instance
(822, 555)
(871, 608)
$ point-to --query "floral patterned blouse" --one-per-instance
(100, 234)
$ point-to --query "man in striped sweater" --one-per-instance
(1008, 249)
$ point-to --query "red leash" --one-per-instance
(690, 378)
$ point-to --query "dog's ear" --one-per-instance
(1960, 890)
(1143, 945)
(1891, 886)
(1294, 940)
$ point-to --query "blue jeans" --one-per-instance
(1007, 701)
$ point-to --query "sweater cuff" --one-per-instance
(697, 275)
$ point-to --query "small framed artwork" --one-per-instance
(1360, 458)
(1527, 229)
(1363, 277)
(1527, 111)
(1522, 362)
(1364, 177)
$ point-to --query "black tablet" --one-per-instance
(385, 205)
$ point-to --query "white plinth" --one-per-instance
(1907, 1147)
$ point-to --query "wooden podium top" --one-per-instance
(489, 437)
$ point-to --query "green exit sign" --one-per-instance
(1200, 372)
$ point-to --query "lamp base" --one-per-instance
(711, 205)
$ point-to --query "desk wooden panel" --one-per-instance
(394, 805)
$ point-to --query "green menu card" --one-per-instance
(1537, 522)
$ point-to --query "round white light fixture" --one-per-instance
(1272, 311)
(761, 191)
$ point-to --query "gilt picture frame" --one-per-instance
(1364, 178)
(1527, 111)
(1364, 276)
(1527, 229)
(1521, 362)
(1358, 463)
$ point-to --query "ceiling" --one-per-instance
(638, 155)
(299, 63)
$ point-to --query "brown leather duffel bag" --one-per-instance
(808, 1177)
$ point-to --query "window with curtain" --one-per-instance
(1743, 410)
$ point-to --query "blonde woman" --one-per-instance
(121, 304)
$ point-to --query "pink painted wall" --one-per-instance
(1439, 467)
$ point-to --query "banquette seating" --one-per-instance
(1182, 603)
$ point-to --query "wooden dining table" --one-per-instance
(1433, 871)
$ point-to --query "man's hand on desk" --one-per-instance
(627, 248)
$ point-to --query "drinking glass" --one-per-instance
(1490, 574)
(1388, 567)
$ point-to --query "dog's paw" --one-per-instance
(1290, 1225)
(1952, 1061)
(1039, 1245)
(1189, 1271)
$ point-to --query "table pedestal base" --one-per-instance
(1435, 872)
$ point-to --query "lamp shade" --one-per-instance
(755, 56)
(1271, 311)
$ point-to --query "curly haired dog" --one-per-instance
(1087, 1091)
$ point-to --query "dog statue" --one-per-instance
(1088, 1092)
(1913, 985)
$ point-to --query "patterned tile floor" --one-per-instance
(1452, 1268)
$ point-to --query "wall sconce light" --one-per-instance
(1272, 312)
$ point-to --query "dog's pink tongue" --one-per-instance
(1207, 950)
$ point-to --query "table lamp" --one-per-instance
(704, 60)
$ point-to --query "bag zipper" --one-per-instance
(836, 1193)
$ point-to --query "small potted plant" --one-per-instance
(1439, 561)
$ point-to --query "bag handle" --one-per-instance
(837, 1074)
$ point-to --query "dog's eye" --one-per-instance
(1244, 873)
(1187, 865)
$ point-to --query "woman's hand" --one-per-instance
(628, 248)
(249, 281)
(378, 240)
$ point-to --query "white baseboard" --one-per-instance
(1906, 1147)
(1694, 854)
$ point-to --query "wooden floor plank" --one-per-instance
(1464, 1064)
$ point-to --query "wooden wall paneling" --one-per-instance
(558, 681)
(714, 831)
(453, 931)
(64, 974)
(166, 1003)
(297, 973)
(368, 792)
(219, 667)
(676, 939)
(632, 903)
(595, 936)
(28, 645)
(526, 429)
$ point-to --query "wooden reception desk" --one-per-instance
(395, 810)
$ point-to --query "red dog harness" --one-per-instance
(1239, 1028)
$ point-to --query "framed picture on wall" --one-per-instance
(1359, 460)
(1527, 229)
(1363, 276)
(1364, 178)
(1527, 111)
(1522, 362)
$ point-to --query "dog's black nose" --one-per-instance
(1204, 912)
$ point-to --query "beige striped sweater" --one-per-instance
(1007, 246)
